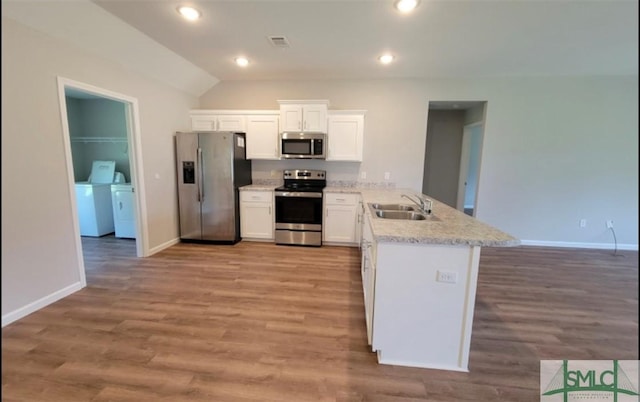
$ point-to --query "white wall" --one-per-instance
(556, 149)
(38, 246)
(390, 146)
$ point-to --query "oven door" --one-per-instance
(298, 210)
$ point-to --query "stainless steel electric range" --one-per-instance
(299, 208)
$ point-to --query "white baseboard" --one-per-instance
(405, 363)
(338, 244)
(567, 244)
(163, 246)
(41, 303)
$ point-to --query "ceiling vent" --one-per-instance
(279, 41)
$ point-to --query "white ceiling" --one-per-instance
(342, 39)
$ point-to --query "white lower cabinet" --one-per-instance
(256, 215)
(341, 218)
(419, 301)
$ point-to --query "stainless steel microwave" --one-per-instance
(295, 145)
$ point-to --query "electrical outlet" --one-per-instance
(609, 224)
(387, 175)
(447, 276)
(363, 175)
(583, 223)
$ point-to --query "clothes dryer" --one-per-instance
(123, 211)
(93, 199)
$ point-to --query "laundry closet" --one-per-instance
(99, 147)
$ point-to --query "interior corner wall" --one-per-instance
(36, 203)
(555, 149)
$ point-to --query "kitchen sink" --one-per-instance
(392, 207)
(408, 215)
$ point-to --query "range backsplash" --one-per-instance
(339, 174)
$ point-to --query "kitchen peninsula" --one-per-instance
(419, 280)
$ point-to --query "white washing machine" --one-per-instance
(123, 211)
(93, 199)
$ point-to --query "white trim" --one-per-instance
(466, 130)
(340, 244)
(163, 246)
(137, 178)
(304, 102)
(567, 244)
(208, 112)
(346, 112)
(469, 306)
(405, 363)
(40, 303)
(71, 177)
(135, 146)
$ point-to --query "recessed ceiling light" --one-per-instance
(405, 6)
(386, 58)
(242, 61)
(189, 13)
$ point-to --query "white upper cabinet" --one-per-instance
(262, 136)
(345, 135)
(303, 115)
(217, 120)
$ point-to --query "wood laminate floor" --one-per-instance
(260, 322)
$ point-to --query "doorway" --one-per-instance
(452, 154)
(71, 94)
(469, 167)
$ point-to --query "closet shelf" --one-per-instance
(99, 139)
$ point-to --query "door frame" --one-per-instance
(465, 157)
(134, 142)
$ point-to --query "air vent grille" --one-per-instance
(279, 41)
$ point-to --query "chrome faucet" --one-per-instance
(428, 205)
(425, 204)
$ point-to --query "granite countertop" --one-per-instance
(259, 187)
(447, 225)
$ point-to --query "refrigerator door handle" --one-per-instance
(200, 171)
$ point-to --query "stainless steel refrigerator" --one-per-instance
(211, 168)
